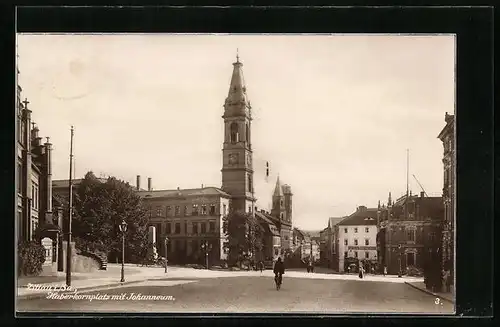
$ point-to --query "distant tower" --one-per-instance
(389, 201)
(287, 191)
(279, 209)
(237, 171)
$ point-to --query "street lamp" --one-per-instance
(399, 260)
(206, 247)
(166, 248)
(123, 229)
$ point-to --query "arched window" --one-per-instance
(234, 133)
(248, 133)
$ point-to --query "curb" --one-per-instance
(85, 289)
(431, 293)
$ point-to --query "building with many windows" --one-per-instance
(190, 218)
(409, 233)
(33, 174)
(447, 136)
(356, 238)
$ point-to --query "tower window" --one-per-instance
(234, 133)
(249, 183)
(248, 133)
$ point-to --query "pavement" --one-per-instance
(446, 296)
(247, 292)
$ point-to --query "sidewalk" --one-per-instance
(450, 297)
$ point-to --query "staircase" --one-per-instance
(100, 257)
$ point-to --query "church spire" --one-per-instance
(278, 190)
(237, 96)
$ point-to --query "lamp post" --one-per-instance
(399, 260)
(206, 247)
(123, 229)
(166, 248)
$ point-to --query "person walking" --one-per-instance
(261, 266)
(279, 270)
(361, 271)
(385, 270)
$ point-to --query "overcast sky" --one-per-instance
(333, 114)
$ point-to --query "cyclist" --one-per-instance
(279, 270)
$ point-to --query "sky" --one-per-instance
(333, 115)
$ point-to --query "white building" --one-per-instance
(357, 236)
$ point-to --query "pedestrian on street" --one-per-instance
(361, 272)
(385, 270)
(261, 266)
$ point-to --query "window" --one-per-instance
(281, 203)
(185, 227)
(247, 133)
(355, 242)
(410, 235)
(345, 242)
(355, 254)
(186, 212)
(249, 209)
(281, 215)
(286, 237)
(355, 229)
(32, 195)
(212, 226)
(177, 211)
(212, 210)
(345, 230)
(169, 211)
(204, 210)
(223, 209)
(158, 211)
(177, 228)
(345, 254)
(195, 210)
(367, 229)
(367, 241)
(19, 178)
(249, 183)
(195, 228)
(234, 133)
(203, 228)
(367, 255)
(168, 231)
(410, 259)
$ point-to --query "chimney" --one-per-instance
(149, 184)
(138, 182)
(422, 194)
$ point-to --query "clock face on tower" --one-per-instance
(233, 158)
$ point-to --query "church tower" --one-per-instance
(279, 208)
(237, 172)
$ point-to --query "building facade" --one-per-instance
(33, 174)
(357, 237)
(332, 243)
(447, 136)
(409, 233)
(191, 219)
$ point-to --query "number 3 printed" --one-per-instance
(437, 301)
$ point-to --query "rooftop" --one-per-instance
(183, 193)
(362, 216)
